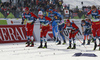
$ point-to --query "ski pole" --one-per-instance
(80, 42)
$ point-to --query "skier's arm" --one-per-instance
(88, 13)
(49, 19)
(65, 26)
(82, 29)
(74, 25)
(23, 18)
(34, 18)
(57, 14)
(98, 12)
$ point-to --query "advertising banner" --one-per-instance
(12, 33)
(17, 33)
(13, 22)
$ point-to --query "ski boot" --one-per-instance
(64, 42)
(95, 45)
(32, 44)
(99, 45)
(54, 38)
(40, 45)
(88, 42)
(74, 46)
(69, 46)
(59, 43)
(45, 46)
(28, 44)
(83, 42)
(57, 40)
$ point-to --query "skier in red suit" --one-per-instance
(29, 18)
(95, 24)
(44, 25)
(73, 31)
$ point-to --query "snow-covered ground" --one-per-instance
(18, 51)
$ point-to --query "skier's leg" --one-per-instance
(70, 35)
(88, 43)
(84, 39)
(95, 44)
(41, 38)
(69, 47)
(28, 41)
(74, 44)
(45, 40)
(45, 33)
(61, 33)
(53, 30)
(31, 35)
(57, 34)
(32, 41)
(41, 42)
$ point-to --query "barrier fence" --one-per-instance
(15, 32)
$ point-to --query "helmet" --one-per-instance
(83, 21)
(40, 13)
(67, 21)
(50, 10)
(26, 8)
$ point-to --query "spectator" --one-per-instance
(0, 8)
(0, 1)
(60, 4)
(25, 3)
(18, 9)
(14, 8)
(32, 3)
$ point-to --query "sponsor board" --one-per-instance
(12, 33)
(36, 30)
(13, 22)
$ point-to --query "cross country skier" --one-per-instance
(95, 24)
(29, 18)
(73, 31)
(90, 35)
(86, 30)
(56, 20)
(51, 14)
(44, 25)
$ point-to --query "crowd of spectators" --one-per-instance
(35, 5)
(32, 4)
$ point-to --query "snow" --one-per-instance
(18, 51)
